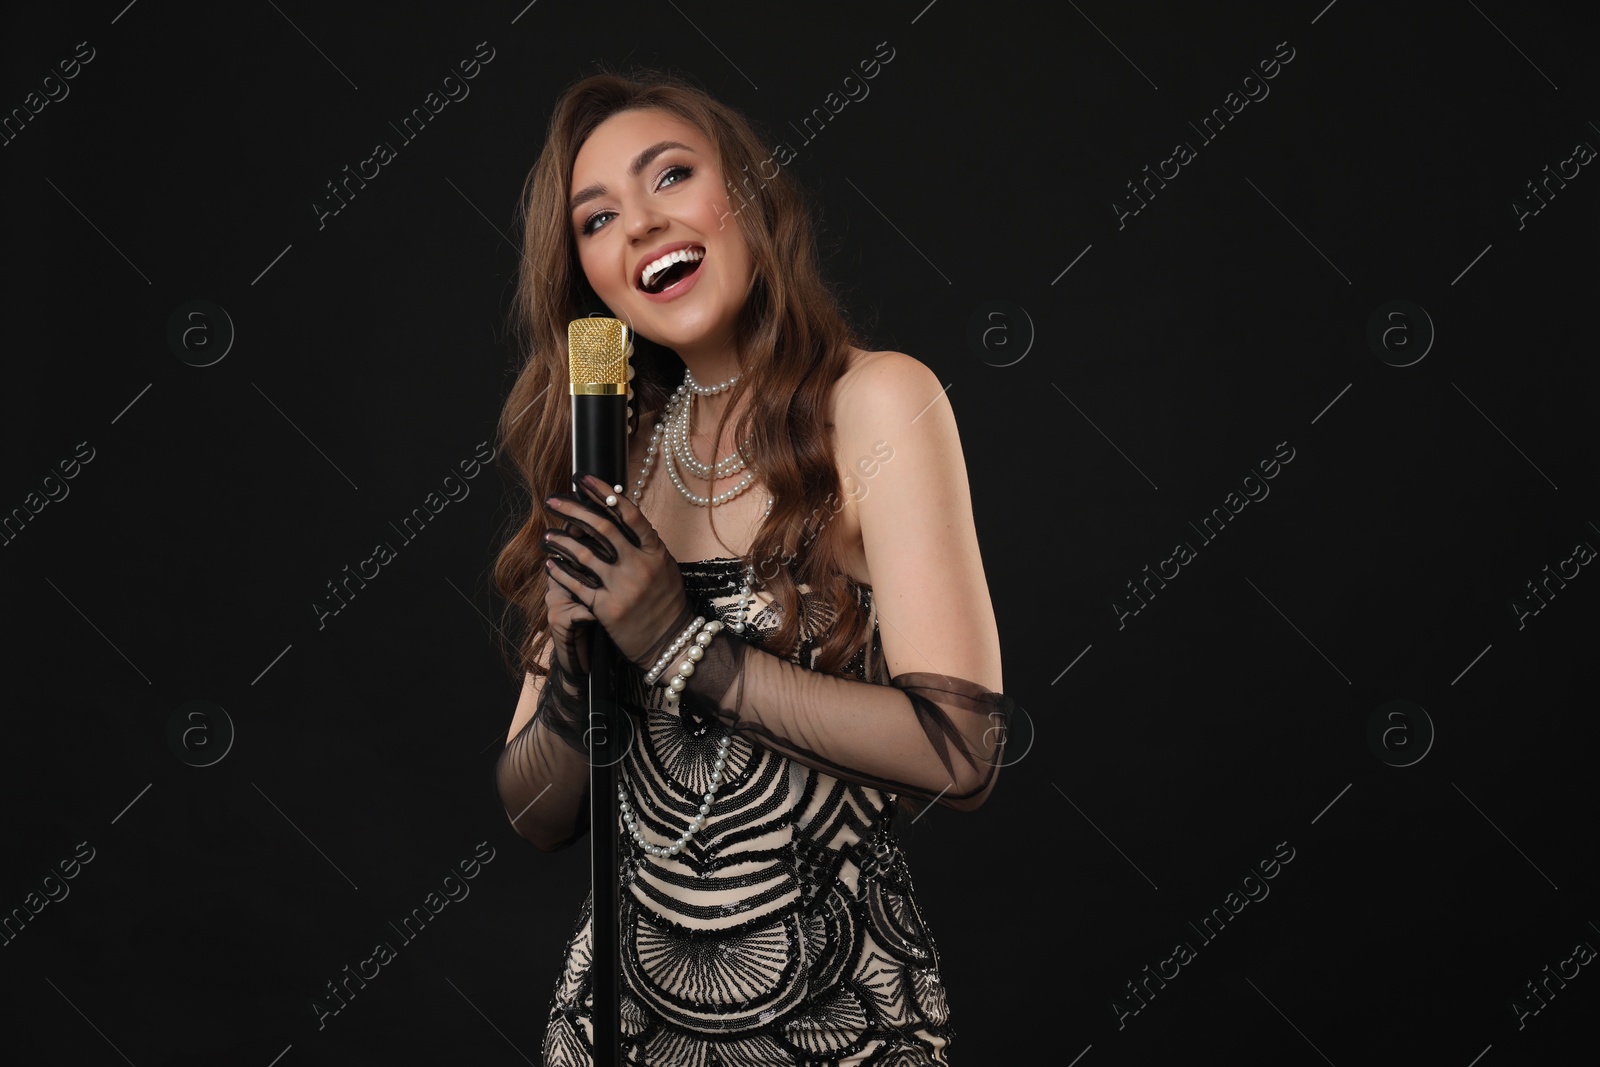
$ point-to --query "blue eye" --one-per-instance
(593, 223)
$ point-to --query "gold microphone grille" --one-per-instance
(597, 355)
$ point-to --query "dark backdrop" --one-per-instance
(1348, 284)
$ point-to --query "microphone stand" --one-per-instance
(604, 753)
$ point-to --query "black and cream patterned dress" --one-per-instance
(786, 932)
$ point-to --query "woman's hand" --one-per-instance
(609, 559)
(570, 625)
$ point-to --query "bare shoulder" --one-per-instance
(882, 388)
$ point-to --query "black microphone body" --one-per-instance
(600, 437)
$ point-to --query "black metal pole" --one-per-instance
(605, 749)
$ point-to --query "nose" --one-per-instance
(643, 220)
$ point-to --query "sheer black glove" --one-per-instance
(608, 558)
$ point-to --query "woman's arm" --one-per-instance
(938, 730)
(542, 774)
(917, 527)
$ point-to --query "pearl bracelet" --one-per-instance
(672, 653)
(697, 650)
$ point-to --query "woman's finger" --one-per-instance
(627, 517)
(577, 572)
(604, 498)
(558, 581)
(561, 603)
(574, 510)
(580, 547)
(583, 533)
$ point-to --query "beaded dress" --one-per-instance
(786, 932)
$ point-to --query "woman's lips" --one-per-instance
(677, 288)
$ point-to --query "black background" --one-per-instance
(1144, 383)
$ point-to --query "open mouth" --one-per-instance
(670, 269)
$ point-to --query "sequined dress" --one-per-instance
(787, 932)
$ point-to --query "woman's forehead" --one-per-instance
(617, 142)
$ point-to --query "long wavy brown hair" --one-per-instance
(793, 343)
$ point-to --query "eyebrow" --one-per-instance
(595, 191)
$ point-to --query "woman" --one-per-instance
(812, 490)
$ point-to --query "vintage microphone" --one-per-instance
(597, 355)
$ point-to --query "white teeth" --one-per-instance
(685, 255)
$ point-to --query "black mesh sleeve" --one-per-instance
(549, 756)
(928, 735)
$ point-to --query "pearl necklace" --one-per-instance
(628, 420)
(677, 429)
(746, 597)
(706, 390)
(695, 823)
(674, 425)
